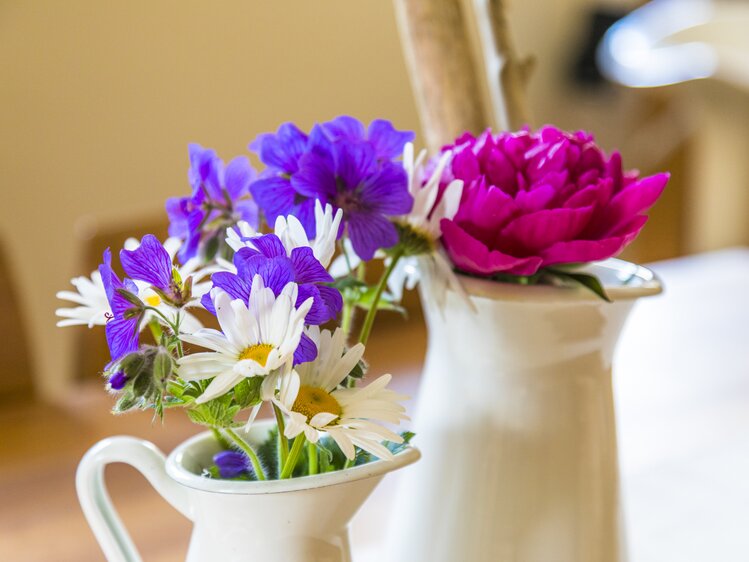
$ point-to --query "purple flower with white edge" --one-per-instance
(221, 197)
(122, 329)
(351, 178)
(231, 464)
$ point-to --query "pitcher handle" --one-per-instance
(101, 515)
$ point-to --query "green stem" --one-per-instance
(156, 331)
(220, 438)
(348, 463)
(372, 312)
(249, 451)
(347, 317)
(312, 457)
(296, 448)
(283, 443)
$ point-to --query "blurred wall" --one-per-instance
(99, 100)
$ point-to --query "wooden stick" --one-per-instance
(443, 75)
(514, 73)
(464, 71)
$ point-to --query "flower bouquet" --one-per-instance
(255, 253)
(499, 231)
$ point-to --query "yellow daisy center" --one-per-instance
(258, 353)
(153, 300)
(312, 401)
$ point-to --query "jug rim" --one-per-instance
(621, 279)
(185, 454)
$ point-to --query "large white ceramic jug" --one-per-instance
(299, 520)
(515, 421)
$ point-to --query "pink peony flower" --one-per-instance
(538, 199)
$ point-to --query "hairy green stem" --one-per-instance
(283, 443)
(372, 312)
(220, 438)
(296, 448)
(249, 451)
(347, 317)
(312, 457)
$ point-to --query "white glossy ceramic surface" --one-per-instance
(515, 422)
(298, 520)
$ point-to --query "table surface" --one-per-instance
(682, 394)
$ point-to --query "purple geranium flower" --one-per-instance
(286, 152)
(281, 153)
(220, 198)
(351, 178)
(122, 328)
(231, 464)
(386, 140)
(151, 263)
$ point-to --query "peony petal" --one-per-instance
(631, 201)
(472, 256)
(535, 199)
(532, 233)
(486, 208)
(465, 166)
(582, 251)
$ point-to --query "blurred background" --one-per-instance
(99, 100)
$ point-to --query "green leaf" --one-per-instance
(590, 282)
(387, 302)
(348, 282)
(357, 373)
(214, 413)
(247, 392)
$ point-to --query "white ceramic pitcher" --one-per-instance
(515, 420)
(297, 520)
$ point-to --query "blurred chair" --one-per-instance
(91, 351)
(15, 365)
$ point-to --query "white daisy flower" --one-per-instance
(93, 309)
(292, 234)
(420, 231)
(316, 404)
(256, 339)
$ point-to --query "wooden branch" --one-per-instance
(463, 69)
(443, 74)
(514, 72)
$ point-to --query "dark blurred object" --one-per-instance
(584, 68)
(15, 366)
(91, 351)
